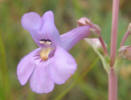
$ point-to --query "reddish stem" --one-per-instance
(112, 89)
(112, 76)
(103, 45)
(125, 38)
(114, 31)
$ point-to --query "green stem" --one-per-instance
(4, 70)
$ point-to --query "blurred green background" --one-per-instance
(90, 80)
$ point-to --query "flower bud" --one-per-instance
(125, 52)
(94, 42)
(94, 28)
(129, 27)
(82, 21)
(93, 33)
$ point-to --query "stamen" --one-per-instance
(42, 42)
(48, 42)
(44, 53)
(45, 41)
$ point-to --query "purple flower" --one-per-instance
(51, 63)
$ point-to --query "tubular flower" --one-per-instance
(51, 63)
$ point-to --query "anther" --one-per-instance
(45, 41)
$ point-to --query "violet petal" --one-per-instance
(26, 67)
(41, 27)
(49, 29)
(40, 81)
(31, 21)
(63, 66)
